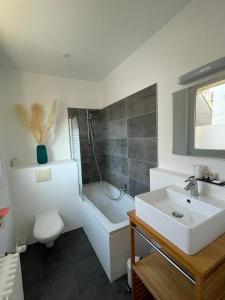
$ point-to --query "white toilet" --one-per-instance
(47, 227)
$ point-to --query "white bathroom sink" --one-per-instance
(189, 223)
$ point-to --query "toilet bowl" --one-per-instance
(47, 227)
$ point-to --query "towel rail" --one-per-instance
(164, 255)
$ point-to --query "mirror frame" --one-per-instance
(192, 151)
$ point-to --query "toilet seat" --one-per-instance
(47, 226)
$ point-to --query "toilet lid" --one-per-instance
(47, 225)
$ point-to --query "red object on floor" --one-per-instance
(4, 211)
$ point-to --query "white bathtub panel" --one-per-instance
(110, 240)
(119, 253)
(98, 237)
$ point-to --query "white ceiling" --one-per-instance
(98, 34)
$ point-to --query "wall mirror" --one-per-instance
(210, 116)
(199, 120)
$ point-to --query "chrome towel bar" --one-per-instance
(164, 255)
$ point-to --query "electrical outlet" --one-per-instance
(43, 175)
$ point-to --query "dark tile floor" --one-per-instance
(68, 271)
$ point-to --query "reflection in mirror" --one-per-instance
(210, 117)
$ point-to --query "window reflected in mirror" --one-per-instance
(210, 117)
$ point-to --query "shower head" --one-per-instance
(89, 116)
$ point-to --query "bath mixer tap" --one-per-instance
(123, 188)
(192, 186)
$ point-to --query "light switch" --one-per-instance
(43, 175)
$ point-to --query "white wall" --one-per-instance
(209, 137)
(191, 39)
(27, 88)
(30, 198)
(7, 240)
(16, 142)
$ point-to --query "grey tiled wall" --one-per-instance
(128, 140)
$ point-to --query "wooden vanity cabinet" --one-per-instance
(170, 274)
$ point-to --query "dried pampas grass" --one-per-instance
(34, 121)
(50, 120)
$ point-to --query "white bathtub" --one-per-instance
(105, 222)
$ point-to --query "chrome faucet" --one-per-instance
(192, 186)
(123, 188)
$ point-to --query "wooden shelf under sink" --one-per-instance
(200, 276)
(163, 280)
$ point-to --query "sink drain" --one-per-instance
(176, 214)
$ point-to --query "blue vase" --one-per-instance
(42, 156)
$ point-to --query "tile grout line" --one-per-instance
(145, 161)
(131, 138)
(146, 113)
(129, 117)
(116, 172)
(140, 182)
(128, 177)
